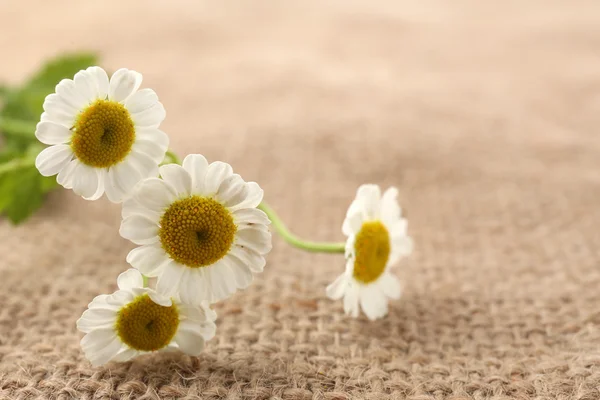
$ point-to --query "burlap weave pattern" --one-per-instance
(486, 116)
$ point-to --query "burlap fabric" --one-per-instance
(486, 115)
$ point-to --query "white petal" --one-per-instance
(156, 150)
(140, 230)
(130, 279)
(123, 84)
(370, 197)
(96, 319)
(65, 176)
(390, 285)
(150, 117)
(86, 85)
(402, 246)
(242, 274)
(100, 78)
(390, 209)
(218, 276)
(253, 197)
(114, 192)
(52, 133)
(59, 111)
(68, 92)
(190, 343)
(122, 297)
(373, 302)
(141, 101)
(336, 290)
(352, 223)
(159, 298)
(155, 194)
(250, 216)
(106, 354)
(255, 239)
(205, 329)
(132, 207)
(232, 191)
(197, 166)
(88, 182)
(351, 302)
(216, 173)
(125, 354)
(177, 177)
(53, 159)
(169, 280)
(149, 259)
(155, 136)
(136, 167)
(252, 259)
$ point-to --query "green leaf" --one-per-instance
(27, 195)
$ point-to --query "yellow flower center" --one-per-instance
(372, 249)
(196, 231)
(146, 326)
(103, 134)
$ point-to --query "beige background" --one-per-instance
(486, 115)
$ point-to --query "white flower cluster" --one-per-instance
(197, 226)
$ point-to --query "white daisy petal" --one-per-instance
(97, 339)
(141, 101)
(250, 216)
(114, 191)
(88, 182)
(189, 342)
(123, 84)
(65, 176)
(216, 276)
(351, 302)
(370, 196)
(149, 259)
(125, 355)
(100, 78)
(155, 194)
(52, 133)
(169, 281)
(390, 209)
(53, 159)
(136, 167)
(373, 302)
(150, 117)
(352, 223)
(390, 285)
(177, 177)
(106, 353)
(159, 298)
(155, 136)
(253, 197)
(206, 329)
(252, 259)
(132, 207)
(232, 191)
(140, 230)
(130, 279)
(336, 290)
(197, 166)
(86, 85)
(59, 111)
(216, 173)
(255, 239)
(68, 92)
(156, 150)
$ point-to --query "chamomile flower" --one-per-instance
(377, 239)
(103, 134)
(199, 230)
(136, 320)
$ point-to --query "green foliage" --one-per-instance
(22, 188)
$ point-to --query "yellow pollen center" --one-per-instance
(372, 249)
(103, 134)
(196, 231)
(146, 326)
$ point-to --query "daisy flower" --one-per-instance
(377, 239)
(199, 230)
(103, 134)
(136, 320)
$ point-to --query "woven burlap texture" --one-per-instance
(485, 115)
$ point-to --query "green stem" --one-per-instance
(145, 278)
(318, 247)
(171, 158)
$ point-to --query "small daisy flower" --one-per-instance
(199, 230)
(103, 134)
(136, 320)
(377, 239)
